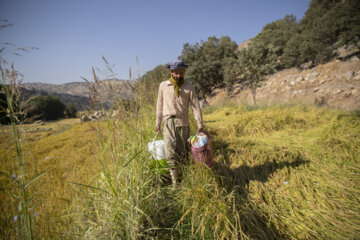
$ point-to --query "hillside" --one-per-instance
(78, 92)
(80, 102)
(334, 84)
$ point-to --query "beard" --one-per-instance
(178, 79)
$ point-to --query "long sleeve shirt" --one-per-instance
(169, 105)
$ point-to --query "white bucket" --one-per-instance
(156, 148)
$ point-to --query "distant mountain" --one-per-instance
(78, 92)
(80, 102)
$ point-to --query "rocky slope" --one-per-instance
(334, 84)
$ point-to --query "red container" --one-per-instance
(204, 154)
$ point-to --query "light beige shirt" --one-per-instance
(168, 104)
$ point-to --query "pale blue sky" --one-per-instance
(72, 35)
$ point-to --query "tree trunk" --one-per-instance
(253, 92)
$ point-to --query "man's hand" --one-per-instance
(157, 129)
(200, 129)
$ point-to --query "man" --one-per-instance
(174, 97)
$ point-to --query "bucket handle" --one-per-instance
(153, 141)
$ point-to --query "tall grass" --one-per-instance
(130, 201)
(17, 176)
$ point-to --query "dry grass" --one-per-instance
(67, 151)
(281, 172)
(297, 167)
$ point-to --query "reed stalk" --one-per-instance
(22, 217)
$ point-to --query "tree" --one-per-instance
(298, 50)
(209, 63)
(71, 111)
(347, 17)
(278, 33)
(229, 72)
(46, 108)
(255, 62)
(326, 26)
(149, 82)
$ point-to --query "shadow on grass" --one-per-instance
(164, 215)
(254, 223)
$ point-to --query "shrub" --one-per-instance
(45, 108)
(71, 111)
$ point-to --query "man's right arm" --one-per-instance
(159, 108)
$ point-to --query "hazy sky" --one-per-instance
(72, 35)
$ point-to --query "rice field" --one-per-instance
(280, 172)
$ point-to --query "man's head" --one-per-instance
(177, 70)
(178, 75)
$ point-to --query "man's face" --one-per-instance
(178, 75)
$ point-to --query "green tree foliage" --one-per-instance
(210, 64)
(46, 108)
(318, 32)
(255, 62)
(278, 33)
(149, 82)
(71, 111)
(293, 50)
(229, 73)
(326, 26)
(347, 15)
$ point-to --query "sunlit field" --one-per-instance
(281, 172)
(65, 151)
